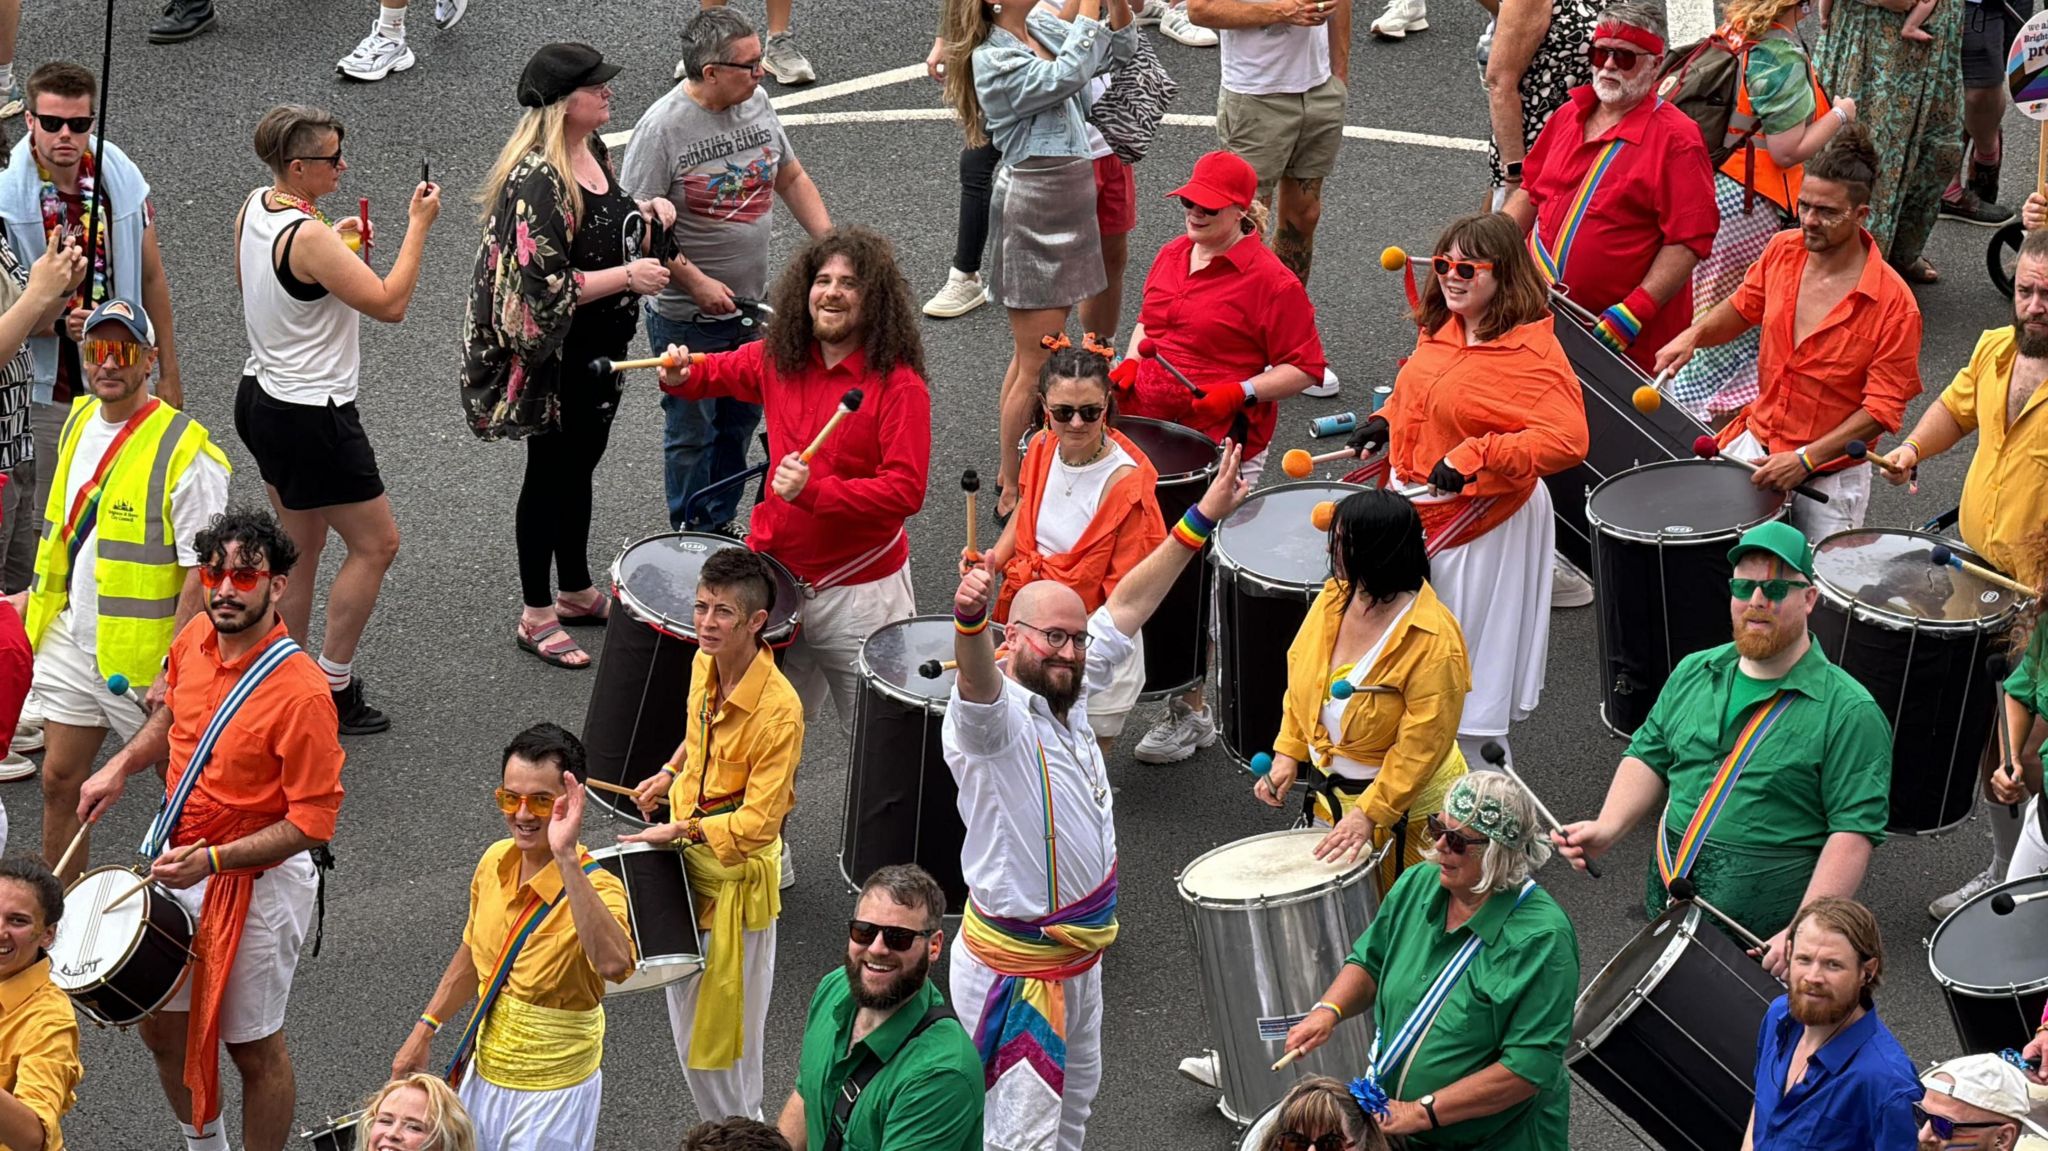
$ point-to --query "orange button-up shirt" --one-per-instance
(1864, 355)
(39, 1048)
(281, 756)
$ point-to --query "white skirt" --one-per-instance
(1498, 589)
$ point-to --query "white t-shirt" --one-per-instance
(1072, 496)
(198, 496)
(1276, 59)
(1333, 708)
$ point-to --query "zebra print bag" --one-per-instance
(1129, 114)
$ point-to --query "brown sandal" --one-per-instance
(557, 653)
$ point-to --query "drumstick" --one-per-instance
(1293, 1053)
(1650, 396)
(1942, 554)
(1149, 350)
(1298, 463)
(363, 216)
(934, 668)
(850, 402)
(1997, 666)
(1705, 448)
(1859, 451)
(1496, 755)
(64, 860)
(2004, 902)
(145, 881)
(615, 789)
(1683, 891)
(603, 366)
(970, 483)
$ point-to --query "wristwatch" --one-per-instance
(1428, 1104)
(1512, 170)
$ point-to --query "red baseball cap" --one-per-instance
(1220, 180)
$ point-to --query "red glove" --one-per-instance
(1217, 405)
(1125, 374)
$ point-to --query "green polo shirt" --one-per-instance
(2028, 682)
(1513, 1006)
(926, 1097)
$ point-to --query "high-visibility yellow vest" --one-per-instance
(137, 572)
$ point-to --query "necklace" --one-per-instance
(1089, 765)
(286, 199)
(1072, 469)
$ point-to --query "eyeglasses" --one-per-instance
(1619, 59)
(243, 579)
(1191, 206)
(79, 125)
(1065, 413)
(894, 938)
(541, 805)
(753, 67)
(124, 353)
(1296, 1141)
(1457, 841)
(1058, 637)
(334, 159)
(1824, 215)
(1465, 269)
(1945, 1128)
(1774, 590)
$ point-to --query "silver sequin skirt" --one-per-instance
(1048, 250)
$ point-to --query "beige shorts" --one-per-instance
(280, 913)
(70, 689)
(1295, 135)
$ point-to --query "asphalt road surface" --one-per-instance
(439, 655)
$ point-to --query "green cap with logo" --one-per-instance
(1779, 539)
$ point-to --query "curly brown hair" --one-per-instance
(887, 314)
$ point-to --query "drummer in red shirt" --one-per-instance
(843, 320)
(1222, 308)
(1617, 196)
(1841, 343)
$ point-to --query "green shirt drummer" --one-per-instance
(1470, 971)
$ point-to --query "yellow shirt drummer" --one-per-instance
(39, 1067)
(1385, 745)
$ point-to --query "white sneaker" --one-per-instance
(16, 766)
(27, 737)
(1176, 26)
(1324, 390)
(963, 293)
(1978, 884)
(376, 57)
(1202, 1069)
(1151, 12)
(785, 61)
(1568, 588)
(1401, 18)
(448, 13)
(1180, 733)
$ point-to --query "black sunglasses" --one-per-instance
(1296, 1141)
(334, 159)
(1945, 1128)
(895, 938)
(1457, 841)
(1191, 206)
(79, 125)
(1065, 413)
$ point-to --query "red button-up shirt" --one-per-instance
(1658, 190)
(865, 481)
(1242, 313)
(1865, 353)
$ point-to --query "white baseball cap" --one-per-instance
(1985, 1081)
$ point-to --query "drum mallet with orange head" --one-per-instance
(602, 366)
(1298, 463)
(1148, 349)
(1323, 515)
(1946, 556)
(848, 404)
(1650, 396)
(1496, 756)
(1683, 891)
(970, 482)
(1705, 448)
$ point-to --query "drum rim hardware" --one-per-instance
(641, 963)
(103, 980)
(1980, 990)
(775, 633)
(1367, 863)
(1893, 618)
(1204, 473)
(888, 687)
(1276, 588)
(1665, 535)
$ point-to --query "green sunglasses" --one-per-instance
(1775, 590)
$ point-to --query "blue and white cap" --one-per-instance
(127, 315)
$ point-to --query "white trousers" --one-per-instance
(1498, 589)
(737, 1089)
(2031, 856)
(826, 654)
(508, 1119)
(1848, 493)
(967, 987)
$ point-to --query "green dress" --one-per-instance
(1910, 96)
(1513, 1006)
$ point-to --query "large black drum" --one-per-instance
(1991, 967)
(1661, 534)
(1177, 635)
(1667, 1032)
(1270, 564)
(635, 719)
(1916, 635)
(902, 805)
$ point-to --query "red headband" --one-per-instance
(1642, 38)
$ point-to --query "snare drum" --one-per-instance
(1667, 1032)
(1177, 636)
(1271, 923)
(1270, 565)
(635, 718)
(902, 805)
(1660, 539)
(1991, 968)
(660, 913)
(336, 1134)
(119, 964)
(1916, 636)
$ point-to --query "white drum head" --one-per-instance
(1276, 865)
(91, 941)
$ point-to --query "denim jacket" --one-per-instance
(1036, 107)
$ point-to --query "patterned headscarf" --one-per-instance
(1488, 816)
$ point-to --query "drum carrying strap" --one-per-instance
(166, 820)
(838, 575)
(1378, 1063)
(523, 928)
(1715, 798)
(865, 1072)
(1553, 257)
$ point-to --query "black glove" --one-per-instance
(1445, 478)
(1370, 436)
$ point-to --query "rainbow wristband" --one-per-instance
(671, 769)
(213, 859)
(1801, 453)
(433, 1024)
(1918, 454)
(970, 625)
(1331, 1007)
(1192, 529)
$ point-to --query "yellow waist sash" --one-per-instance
(731, 901)
(529, 1048)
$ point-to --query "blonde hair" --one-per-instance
(452, 1130)
(1753, 18)
(964, 26)
(543, 130)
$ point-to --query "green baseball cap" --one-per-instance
(1779, 539)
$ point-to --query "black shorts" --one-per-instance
(1984, 45)
(316, 457)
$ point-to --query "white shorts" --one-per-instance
(280, 912)
(70, 689)
(825, 659)
(1848, 493)
(508, 1119)
(1108, 709)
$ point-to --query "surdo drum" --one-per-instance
(1177, 635)
(1991, 967)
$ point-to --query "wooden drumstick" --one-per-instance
(934, 668)
(615, 789)
(605, 367)
(1298, 463)
(850, 402)
(183, 854)
(1859, 451)
(363, 220)
(1946, 556)
(970, 482)
(64, 860)
(1292, 1055)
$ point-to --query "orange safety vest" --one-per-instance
(1749, 165)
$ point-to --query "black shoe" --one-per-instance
(182, 20)
(357, 716)
(1972, 209)
(1984, 181)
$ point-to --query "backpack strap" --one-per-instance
(864, 1073)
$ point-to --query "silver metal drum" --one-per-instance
(1272, 925)
(1255, 1135)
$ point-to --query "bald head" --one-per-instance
(1047, 604)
